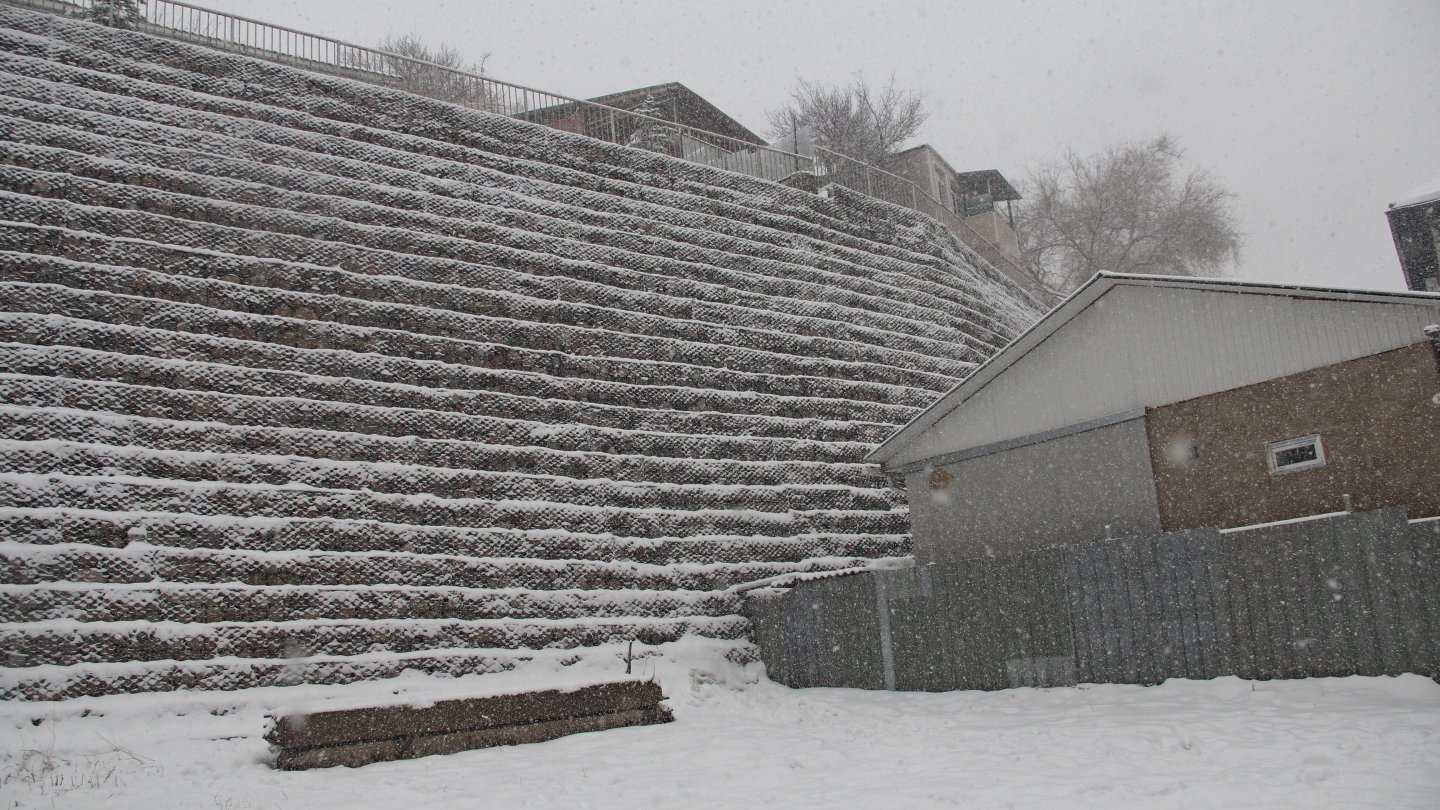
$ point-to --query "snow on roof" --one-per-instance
(1424, 193)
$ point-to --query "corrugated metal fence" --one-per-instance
(1352, 594)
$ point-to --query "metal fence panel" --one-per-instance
(1144, 610)
(1356, 594)
(1423, 540)
(821, 633)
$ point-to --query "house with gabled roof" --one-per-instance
(1147, 404)
(701, 125)
(678, 104)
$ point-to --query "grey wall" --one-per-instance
(1354, 594)
(1064, 490)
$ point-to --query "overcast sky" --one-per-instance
(1316, 114)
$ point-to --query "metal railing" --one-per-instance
(893, 188)
(190, 23)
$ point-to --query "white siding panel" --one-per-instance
(1139, 346)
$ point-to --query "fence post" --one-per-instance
(882, 615)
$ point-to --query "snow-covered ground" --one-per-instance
(742, 741)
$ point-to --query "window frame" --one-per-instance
(1273, 449)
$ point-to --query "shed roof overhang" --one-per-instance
(988, 181)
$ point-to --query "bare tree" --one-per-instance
(115, 13)
(652, 135)
(863, 122)
(445, 75)
(1129, 209)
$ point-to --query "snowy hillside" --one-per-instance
(304, 380)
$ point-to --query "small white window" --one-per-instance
(1293, 455)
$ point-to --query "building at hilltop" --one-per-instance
(1415, 225)
(966, 203)
(1148, 404)
(679, 104)
(697, 120)
(973, 196)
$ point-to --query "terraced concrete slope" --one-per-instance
(307, 380)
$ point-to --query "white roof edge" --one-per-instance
(1087, 294)
(1269, 288)
(996, 363)
(1420, 195)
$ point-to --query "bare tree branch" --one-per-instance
(115, 13)
(858, 120)
(1127, 209)
(437, 82)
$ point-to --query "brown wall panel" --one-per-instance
(1378, 422)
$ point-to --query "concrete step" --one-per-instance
(194, 79)
(751, 266)
(75, 527)
(62, 454)
(592, 284)
(46, 414)
(206, 603)
(602, 345)
(63, 642)
(476, 293)
(143, 355)
(228, 673)
(114, 493)
(65, 115)
(479, 243)
(302, 332)
(141, 562)
(132, 367)
(197, 404)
